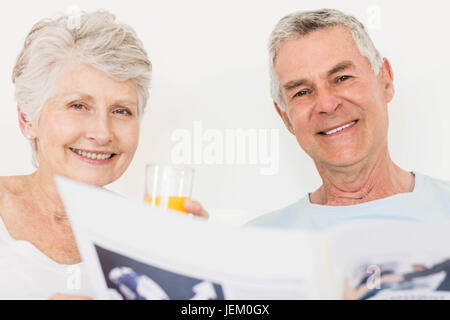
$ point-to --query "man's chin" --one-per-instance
(338, 162)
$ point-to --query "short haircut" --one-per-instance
(97, 40)
(302, 23)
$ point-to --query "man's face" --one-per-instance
(327, 84)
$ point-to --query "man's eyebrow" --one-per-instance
(340, 67)
(294, 84)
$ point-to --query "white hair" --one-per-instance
(97, 40)
(301, 23)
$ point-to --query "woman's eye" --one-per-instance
(77, 106)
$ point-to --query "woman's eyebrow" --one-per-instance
(125, 102)
(79, 96)
(89, 98)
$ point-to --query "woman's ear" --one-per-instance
(27, 128)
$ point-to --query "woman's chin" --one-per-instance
(95, 180)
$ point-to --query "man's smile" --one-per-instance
(338, 129)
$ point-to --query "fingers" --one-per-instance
(391, 278)
(63, 296)
(195, 208)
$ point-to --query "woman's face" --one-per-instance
(88, 129)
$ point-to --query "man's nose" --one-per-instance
(100, 129)
(326, 101)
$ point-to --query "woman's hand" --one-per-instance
(195, 208)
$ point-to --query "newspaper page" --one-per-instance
(134, 251)
(393, 260)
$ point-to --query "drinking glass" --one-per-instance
(168, 186)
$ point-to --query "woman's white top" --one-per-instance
(27, 273)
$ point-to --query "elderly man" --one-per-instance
(331, 88)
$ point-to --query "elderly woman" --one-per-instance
(81, 88)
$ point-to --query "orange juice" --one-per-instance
(174, 203)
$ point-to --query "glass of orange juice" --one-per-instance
(168, 186)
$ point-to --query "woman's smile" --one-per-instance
(93, 157)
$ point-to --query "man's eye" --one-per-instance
(301, 93)
(342, 78)
(123, 112)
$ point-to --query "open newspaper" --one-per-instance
(134, 251)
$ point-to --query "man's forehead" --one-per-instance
(317, 52)
(320, 39)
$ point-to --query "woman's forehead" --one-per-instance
(84, 81)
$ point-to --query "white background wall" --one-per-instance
(210, 64)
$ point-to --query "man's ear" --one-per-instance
(27, 128)
(387, 80)
(285, 118)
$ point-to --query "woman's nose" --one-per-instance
(100, 129)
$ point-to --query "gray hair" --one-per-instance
(96, 39)
(301, 23)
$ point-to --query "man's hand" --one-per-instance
(63, 296)
(195, 208)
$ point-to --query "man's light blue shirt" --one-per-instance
(429, 201)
